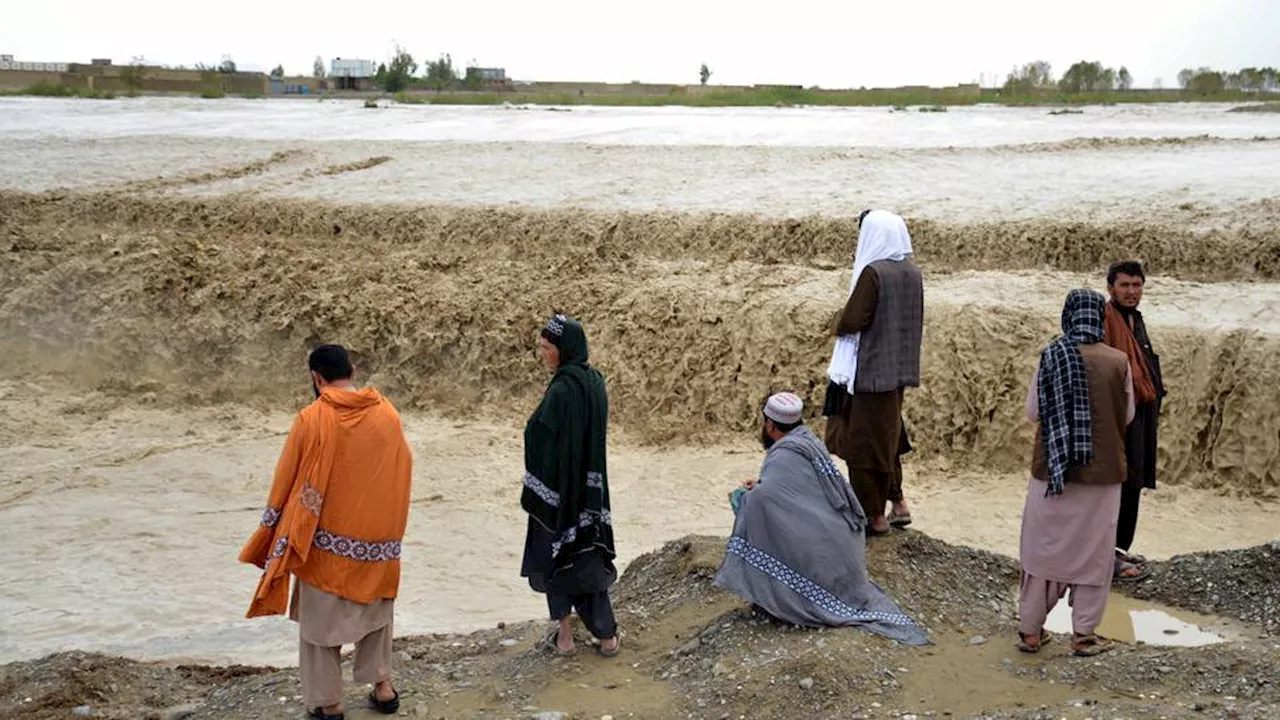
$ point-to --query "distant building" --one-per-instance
(351, 74)
(486, 77)
(100, 61)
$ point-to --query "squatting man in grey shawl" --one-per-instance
(798, 549)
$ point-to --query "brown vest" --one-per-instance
(1106, 368)
(889, 351)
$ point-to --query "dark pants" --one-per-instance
(1140, 453)
(873, 489)
(594, 608)
(1130, 495)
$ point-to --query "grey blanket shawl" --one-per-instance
(799, 551)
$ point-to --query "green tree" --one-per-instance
(1206, 82)
(1124, 81)
(227, 65)
(133, 75)
(277, 73)
(1184, 77)
(1029, 78)
(440, 73)
(1087, 77)
(380, 77)
(317, 67)
(704, 73)
(401, 68)
(1270, 79)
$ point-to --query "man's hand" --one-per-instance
(750, 483)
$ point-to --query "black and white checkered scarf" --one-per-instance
(1065, 421)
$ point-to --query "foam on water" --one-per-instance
(348, 120)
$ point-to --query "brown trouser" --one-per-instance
(874, 489)
(321, 667)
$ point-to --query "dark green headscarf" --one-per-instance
(566, 481)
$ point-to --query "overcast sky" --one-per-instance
(803, 42)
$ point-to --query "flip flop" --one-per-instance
(899, 521)
(1130, 558)
(610, 653)
(386, 707)
(1121, 567)
(548, 643)
(1090, 646)
(1026, 647)
(319, 714)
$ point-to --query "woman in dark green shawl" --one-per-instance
(568, 550)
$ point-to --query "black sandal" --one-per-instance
(319, 714)
(386, 707)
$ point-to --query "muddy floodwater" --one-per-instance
(165, 264)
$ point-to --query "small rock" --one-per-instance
(404, 656)
(421, 710)
(806, 683)
(1165, 669)
(551, 715)
(606, 717)
(688, 647)
(82, 711)
(182, 712)
(508, 642)
(978, 640)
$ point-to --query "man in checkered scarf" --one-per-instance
(1082, 398)
(1064, 389)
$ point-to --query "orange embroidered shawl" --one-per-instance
(338, 506)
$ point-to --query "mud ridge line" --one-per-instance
(1243, 252)
(231, 173)
(689, 351)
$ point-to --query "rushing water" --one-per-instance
(977, 126)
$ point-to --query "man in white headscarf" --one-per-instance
(876, 356)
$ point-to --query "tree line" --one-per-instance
(401, 71)
(1086, 77)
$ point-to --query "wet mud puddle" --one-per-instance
(1134, 621)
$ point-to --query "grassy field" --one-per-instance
(926, 99)
(772, 97)
(48, 89)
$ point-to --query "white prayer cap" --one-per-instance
(784, 408)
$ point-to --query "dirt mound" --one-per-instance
(102, 686)
(691, 650)
(215, 304)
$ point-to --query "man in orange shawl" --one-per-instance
(1126, 331)
(334, 520)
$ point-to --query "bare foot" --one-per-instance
(384, 691)
(564, 639)
(610, 647)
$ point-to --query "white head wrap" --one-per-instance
(784, 408)
(883, 236)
